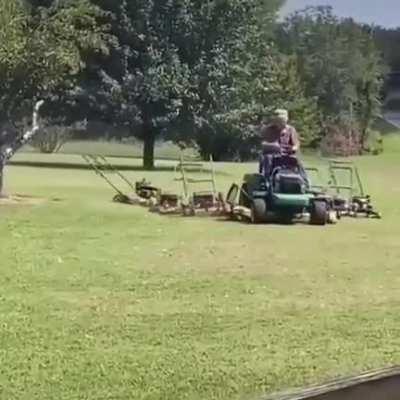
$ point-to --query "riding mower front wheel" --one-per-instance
(319, 213)
(258, 211)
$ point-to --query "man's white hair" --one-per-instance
(281, 114)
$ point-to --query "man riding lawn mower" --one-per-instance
(279, 137)
(281, 190)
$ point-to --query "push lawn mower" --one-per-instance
(189, 202)
(347, 189)
(207, 202)
(142, 192)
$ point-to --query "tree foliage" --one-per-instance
(173, 67)
(233, 67)
(41, 49)
(388, 42)
(197, 71)
(40, 56)
(143, 80)
(338, 64)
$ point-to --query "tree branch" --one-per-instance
(13, 147)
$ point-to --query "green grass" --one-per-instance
(104, 301)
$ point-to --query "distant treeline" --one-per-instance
(388, 41)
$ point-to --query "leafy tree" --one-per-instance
(236, 64)
(291, 95)
(338, 63)
(142, 81)
(256, 79)
(40, 55)
(172, 69)
(314, 36)
(372, 74)
(388, 43)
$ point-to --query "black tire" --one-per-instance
(258, 211)
(251, 182)
(188, 211)
(319, 213)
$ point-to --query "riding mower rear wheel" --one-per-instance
(319, 213)
(258, 211)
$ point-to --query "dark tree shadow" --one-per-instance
(84, 166)
(119, 167)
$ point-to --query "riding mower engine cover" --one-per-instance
(287, 182)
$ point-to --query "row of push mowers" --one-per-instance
(286, 194)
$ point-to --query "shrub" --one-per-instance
(52, 137)
(341, 140)
(374, 143)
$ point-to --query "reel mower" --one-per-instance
(348, 192)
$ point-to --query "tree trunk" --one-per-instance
(2, 194)
(7, 150)
(148, 149)
(367, 118)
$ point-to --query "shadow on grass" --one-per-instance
(385, 127)
(119, 167)
(83, 166)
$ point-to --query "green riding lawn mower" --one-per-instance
(287, 193)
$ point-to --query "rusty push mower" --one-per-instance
(191, 202)
(347, 189)
(141, 192)
(196, 202)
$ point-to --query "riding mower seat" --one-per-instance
(288, 182)
(289, 190)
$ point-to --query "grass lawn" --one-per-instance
(104, 301)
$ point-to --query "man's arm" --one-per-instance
(264, 133)
(268, 134)
(294, 138)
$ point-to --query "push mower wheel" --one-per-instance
(120, 198)
(258, 211)
(188, 211)
(319, 213)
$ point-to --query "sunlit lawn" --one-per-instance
(104, 301)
